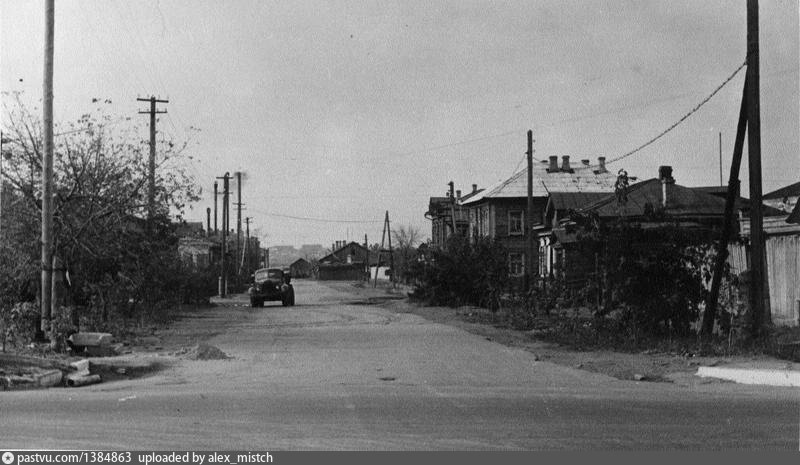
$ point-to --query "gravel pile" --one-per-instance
(203, 352)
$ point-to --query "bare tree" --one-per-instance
(407, 238)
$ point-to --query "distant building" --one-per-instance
(500, 212)
(441, 211)
(346, 263)
(300, 268)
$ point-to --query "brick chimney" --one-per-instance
(458, 194)
(565, 164)
(474, 188)
(665, 176)
(553, 164)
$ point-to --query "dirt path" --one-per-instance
(643, 366)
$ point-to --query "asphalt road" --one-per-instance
(333, 374)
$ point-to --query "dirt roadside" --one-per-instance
(642, 366)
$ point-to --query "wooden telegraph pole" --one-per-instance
(223, 274)
(757, 256)
(386, 230)
(151, 173)
(529, 219)
(47, 171)
(750, 121)
(215, 208)
(238, 223)
(727, 230)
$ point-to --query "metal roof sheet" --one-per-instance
(580, 179)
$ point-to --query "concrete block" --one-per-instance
(768, 377)
(91, 339)
(48, 378)
(81, 366)
(76, 380)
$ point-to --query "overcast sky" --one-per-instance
(339, 111)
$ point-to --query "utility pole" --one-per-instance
(223, 276)
(749, 121)
(151, 174)
(529, 219)
(391, 251)
(208, 221)
(215, 208)
(386, 229)
(710, 312)
(47, 171)
(247, 247)
(757, 257)
(238, 221)
(366, 246)
(720, 159)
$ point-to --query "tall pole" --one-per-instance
(757, 256)
(452, 206)
(151, 171)
(238, 220)
(223, 277)
(710, 312)
(391, 251)
(366, 246)
(529, 219)
(215, 208)
(208, 221)
(47, 169)
(247, 247)
(720, 159)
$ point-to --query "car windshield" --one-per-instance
(263, 275)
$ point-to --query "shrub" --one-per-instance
(462, 273)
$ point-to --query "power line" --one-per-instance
(319, 220)
(684, 118)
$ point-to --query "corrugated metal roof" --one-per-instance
(581, 179)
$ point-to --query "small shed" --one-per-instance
(300, 268)
(347, 263)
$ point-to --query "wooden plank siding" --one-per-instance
(783, 261)
(783, 274)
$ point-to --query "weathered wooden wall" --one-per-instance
(783, 273)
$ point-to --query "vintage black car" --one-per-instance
(271, 284)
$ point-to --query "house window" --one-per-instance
(515, 223)
(516, 264)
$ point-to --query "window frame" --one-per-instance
(521, 230)
(513, 263)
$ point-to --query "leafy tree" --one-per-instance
(462, 273)
(654, 275)
(117, 260)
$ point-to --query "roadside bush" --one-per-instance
(654, 278)
(463, 273)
